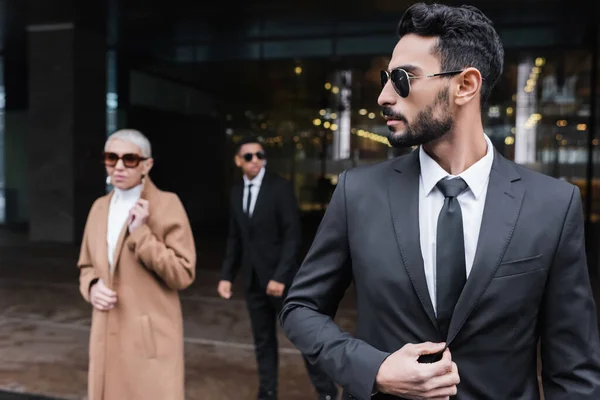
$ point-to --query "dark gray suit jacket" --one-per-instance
(268, 242)
(529, 282)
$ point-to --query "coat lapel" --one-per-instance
(124, 233)
(102, 227)
(403, 194)
(502, 206)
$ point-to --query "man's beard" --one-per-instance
(426, 127)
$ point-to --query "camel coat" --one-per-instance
(136, 349)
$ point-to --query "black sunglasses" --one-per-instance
(401, 80)
(249, 156)
(130, 160)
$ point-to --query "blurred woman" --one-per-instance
(137, 253)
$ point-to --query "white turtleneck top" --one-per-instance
(121, 203)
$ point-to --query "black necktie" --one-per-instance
(248, 199)
(451, 273)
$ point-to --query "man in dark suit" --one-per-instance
(462, 260)
(264, 239)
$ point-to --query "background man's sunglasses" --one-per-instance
(401, 80)
(249, 156)
(130, 160)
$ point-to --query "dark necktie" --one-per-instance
(249, 199)
(451, 273)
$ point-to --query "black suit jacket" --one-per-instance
(267, 242)
(529, 282)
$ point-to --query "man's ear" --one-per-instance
(468, 86)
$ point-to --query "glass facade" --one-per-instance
(305, 77)
(311, 94)
(318, 117)
(540, 113)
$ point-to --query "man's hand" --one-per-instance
(402, 375)
(275, 289)
(224, 289)
(138, 215)
(102, 297)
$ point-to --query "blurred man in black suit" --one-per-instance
(264, 239)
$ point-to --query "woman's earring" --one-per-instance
(108, 180)
(143, 178)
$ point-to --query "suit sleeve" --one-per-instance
(313, 300)
(570, 347)
(88, 274)
(173, 257)
(233, 251)
(289, 226)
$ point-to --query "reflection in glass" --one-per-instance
(527, 118)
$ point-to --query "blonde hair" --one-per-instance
(132, 136)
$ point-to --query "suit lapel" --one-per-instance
(238, 194)
(260, 199)
(502, 206)
(403, 194)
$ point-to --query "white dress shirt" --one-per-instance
(431, 200)
(121, 203)
(256, 183)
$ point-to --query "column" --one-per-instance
(67, 115)
(15, 116)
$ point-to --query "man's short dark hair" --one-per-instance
(247, 140)
(467, 38)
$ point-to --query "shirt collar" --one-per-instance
(257, 181)
(476, 176)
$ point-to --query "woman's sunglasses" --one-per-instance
(401, 80)
(130, 160)
(249, 156)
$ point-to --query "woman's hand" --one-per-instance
(138, 215)
(102, 297)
